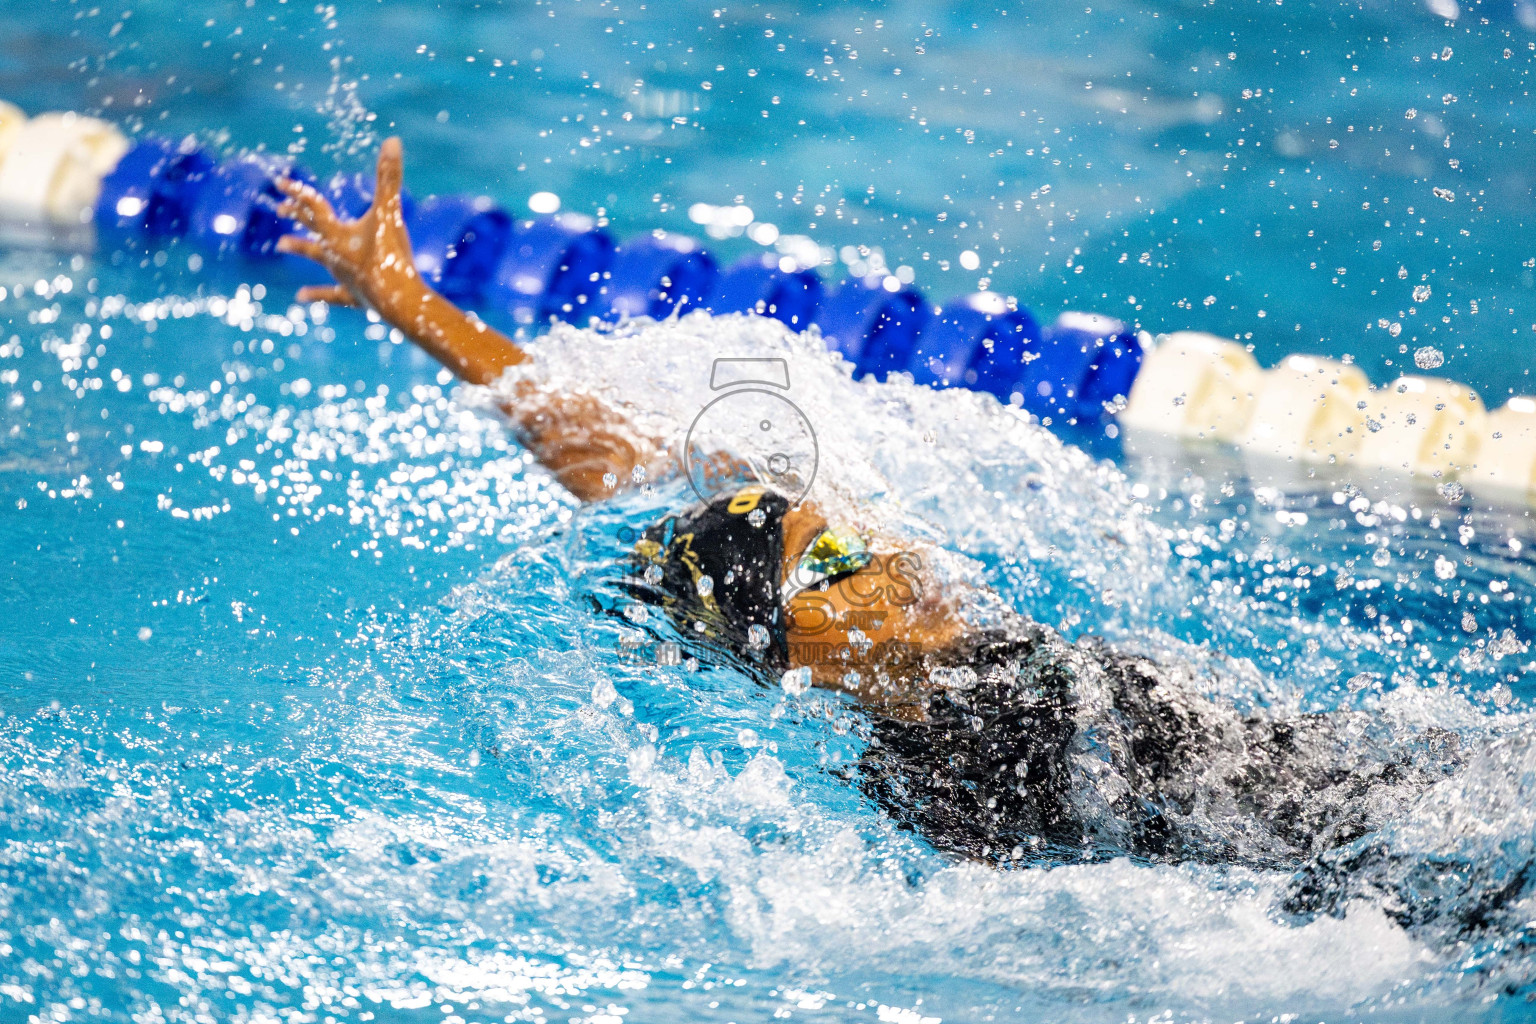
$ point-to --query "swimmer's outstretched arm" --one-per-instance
(591, 447)
(371, 261)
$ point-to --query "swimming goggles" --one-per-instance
(832, 554)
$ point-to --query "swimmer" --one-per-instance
(1004, 743)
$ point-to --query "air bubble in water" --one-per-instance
(1428, 357)
(1381, 558)
(1445, 569)
(1420, 292)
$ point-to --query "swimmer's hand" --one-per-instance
(590, 446)
(373, 265)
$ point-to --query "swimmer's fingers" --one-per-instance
(391, 173)
(309, 248)
(334, 294)
(306, 205)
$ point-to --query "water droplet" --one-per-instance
(1420, 292)
(757, 637)
(1361, 681)
(1502, 696)
(1468, 622)
(1428, 357)
(1381, 558)
(653, 574)
(796, 681)
(1451, 491)
(757, 517)
(1445, 569)
(962, 678)
(705, 585)
(603, 693)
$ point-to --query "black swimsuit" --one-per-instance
(1043, 749)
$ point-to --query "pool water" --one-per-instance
(307, 714)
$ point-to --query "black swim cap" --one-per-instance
(716, 569)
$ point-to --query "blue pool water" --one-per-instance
(306, 713)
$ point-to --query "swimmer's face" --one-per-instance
(866, 631)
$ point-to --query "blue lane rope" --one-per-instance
(523, 273)
(458, 241)
(758, 284)
(873, 328)
(655, 275)
(552, 267)
(233, 208)
(1086, 354)
(975, 341)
